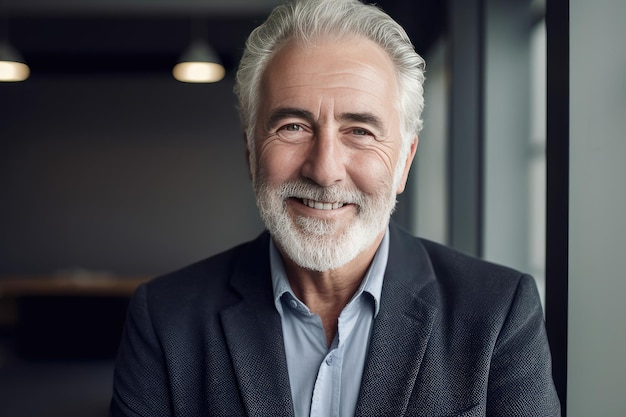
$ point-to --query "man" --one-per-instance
(334, 311)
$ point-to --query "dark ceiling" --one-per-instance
(88, 43)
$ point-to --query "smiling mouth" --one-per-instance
(320, 205)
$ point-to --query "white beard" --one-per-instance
(321, 244)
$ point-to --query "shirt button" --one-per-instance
(329, 360)
(294, 304)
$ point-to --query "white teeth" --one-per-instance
(321, 205)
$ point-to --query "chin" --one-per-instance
(316, 245)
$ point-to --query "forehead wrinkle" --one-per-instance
(343, 79)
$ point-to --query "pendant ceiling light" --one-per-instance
(199, 63)
(12, 65)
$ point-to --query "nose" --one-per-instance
(324, 163)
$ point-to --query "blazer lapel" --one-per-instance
(254, 336)
(401, 329)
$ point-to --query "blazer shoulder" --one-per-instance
(468, 279)
(457, 277)
(448, 260)
(445, 261)
(208, 280)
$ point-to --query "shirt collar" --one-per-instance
(372, 282)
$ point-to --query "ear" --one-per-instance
(407, 165)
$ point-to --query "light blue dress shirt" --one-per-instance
(325, 382)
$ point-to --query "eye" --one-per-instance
(294, 132)
(292, 127)
(357, 131)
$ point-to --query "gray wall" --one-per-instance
(506, 132)
(133, 175)
(429, 175)
(597, 281)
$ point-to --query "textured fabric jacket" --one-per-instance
(455, 336)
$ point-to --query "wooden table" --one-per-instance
(70, 284)
(73, 315)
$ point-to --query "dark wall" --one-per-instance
(133, 174)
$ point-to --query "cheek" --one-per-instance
(276, 164)
(371, 171)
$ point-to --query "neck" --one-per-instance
(326, 293)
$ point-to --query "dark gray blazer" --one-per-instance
(455, 336)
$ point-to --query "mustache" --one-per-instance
(309, 190)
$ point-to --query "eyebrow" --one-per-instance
(286, 112)
(366, 118)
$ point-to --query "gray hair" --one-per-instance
(308, 20)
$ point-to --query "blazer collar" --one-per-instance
(401, 329)
(254, 335)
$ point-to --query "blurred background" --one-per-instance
(112, 172)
